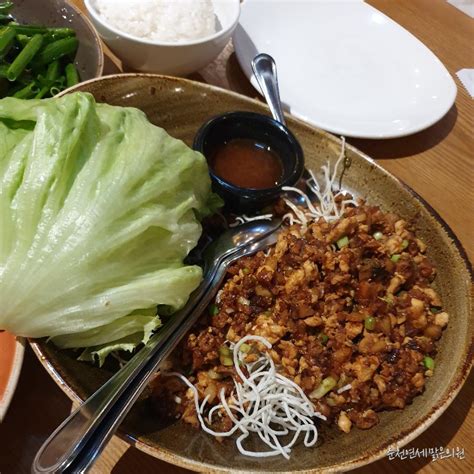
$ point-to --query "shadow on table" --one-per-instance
(417, 143)
(37, 408)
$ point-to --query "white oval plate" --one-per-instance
(345, 67)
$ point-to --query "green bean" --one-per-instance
(5, 7)
(5, 17)
(7, 36)
(27, 92)
(53, 71)
(72, 76)
(24, 58)
(22, 40)
(31, 30)
(56, 50)
(3, 70)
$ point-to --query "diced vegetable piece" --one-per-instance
(405, 244)
(395, 257)
(245, 348)
(225, 356)
(387, 299)
(213, 310)
(323, 338)
(214, 375)
(378, 235)
(369, 323)
(343, 242)
(429, 363)
(326, 386)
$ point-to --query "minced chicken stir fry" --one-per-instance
(347, 307)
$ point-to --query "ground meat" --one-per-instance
(360, 310)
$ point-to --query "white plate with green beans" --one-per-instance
(45, 47)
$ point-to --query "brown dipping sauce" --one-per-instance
(246, 163)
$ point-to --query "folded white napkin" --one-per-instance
(466, 76)
(467, 6)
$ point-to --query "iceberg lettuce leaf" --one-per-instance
(98, 209)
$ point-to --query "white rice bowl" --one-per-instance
(168, 21)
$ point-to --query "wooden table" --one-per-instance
(438, 163)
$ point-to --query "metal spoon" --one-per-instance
(78, 441)
(265, 72)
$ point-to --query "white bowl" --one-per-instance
(168, 58)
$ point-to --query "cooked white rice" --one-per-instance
(160, 20)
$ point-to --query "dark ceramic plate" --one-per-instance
(60, 13)
(181, 106)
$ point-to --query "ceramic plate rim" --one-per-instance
(13, 376)
(344, 130)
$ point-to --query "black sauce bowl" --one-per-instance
(263, 129)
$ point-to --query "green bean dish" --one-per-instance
(36, 62)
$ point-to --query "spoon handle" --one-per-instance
(265, 72)
(66, 445)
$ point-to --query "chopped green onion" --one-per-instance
(213, 309)
(405, 244)
(429, 363)
(323, 338)
(227, 361)
(245, 348)
(395, 257)
(224, 350)
(326, 386)
(246, 270)
(378, 235)
(369, 323)
(435, 310)
(27, 92)
(55, 90)
(386, 299)
(225, 355)
(343, 242)
(214, 375)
